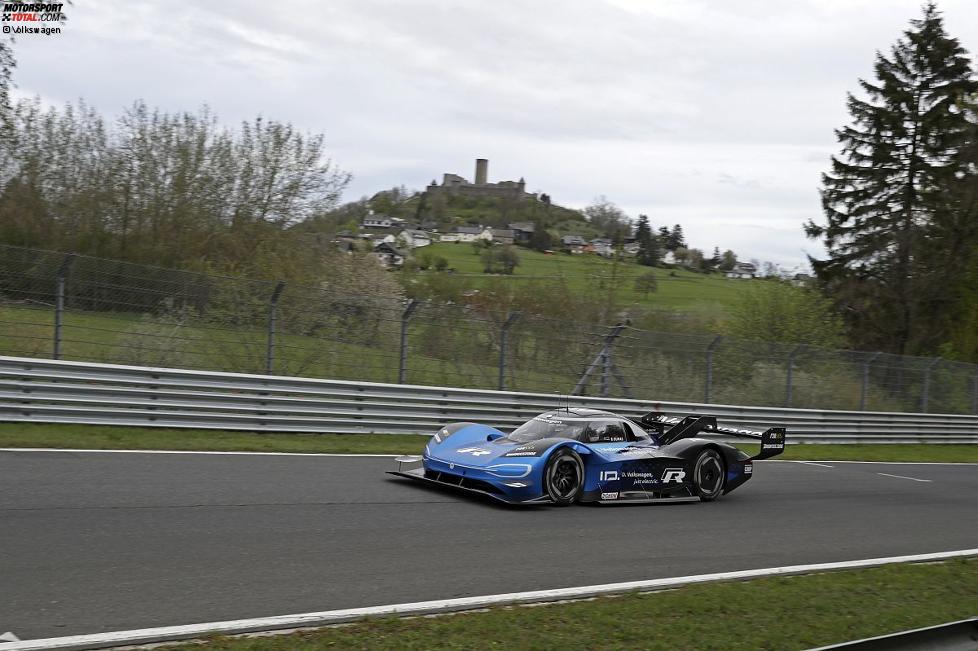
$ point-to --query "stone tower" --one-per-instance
(481, 171)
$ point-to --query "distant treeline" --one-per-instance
(170, 189)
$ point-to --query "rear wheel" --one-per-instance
(708, 475)
(563, 477)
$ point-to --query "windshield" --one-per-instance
(587, 430)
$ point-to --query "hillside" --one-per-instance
(677, 289)
(445, 212)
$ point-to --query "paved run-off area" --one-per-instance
(95, 542)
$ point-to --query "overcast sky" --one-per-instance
(714, 114)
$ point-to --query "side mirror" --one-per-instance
(494, 435)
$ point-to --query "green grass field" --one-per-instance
(122, 338)
(110, 437)
(684, 290)
(784, 614)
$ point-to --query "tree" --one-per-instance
(541, 239)
(509, 259)
(395, 202)
(697, 260)
(681, 255)
(500, 260)
(675, 239)
(170, 189)
(648, 248)
(441, 263)
(608, 218)
(716, 259)
(7, 65)
(729, 260)
(778, 311)
(646, 283)
(479, 245)
(886, 194)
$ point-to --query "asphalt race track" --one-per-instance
(94, 542)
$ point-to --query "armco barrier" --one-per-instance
(53, 391)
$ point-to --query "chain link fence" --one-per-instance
(81, 308)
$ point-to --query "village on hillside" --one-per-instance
(393, 240)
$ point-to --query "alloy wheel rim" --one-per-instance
(565, 477)
(709, 476)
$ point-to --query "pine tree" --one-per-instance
(648, 248)
(888, 186)
(676, 239)
(716, 259)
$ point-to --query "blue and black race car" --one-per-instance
(587, 455)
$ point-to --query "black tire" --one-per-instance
(563, 477)
(709, 475)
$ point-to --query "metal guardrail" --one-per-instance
(55, 391)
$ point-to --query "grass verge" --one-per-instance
(112, 437)
(775, 613)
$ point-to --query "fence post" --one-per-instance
(405, 317)
(59, 302)
(605, 364)
(791, 366)
(503, 339)
(272, 314)
(709, 368)
(925, 394)
(974, 397)
(865, 391)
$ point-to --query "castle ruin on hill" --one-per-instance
(456, 185)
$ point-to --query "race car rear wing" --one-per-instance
(671, 429)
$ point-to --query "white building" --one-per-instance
(469, 233)
(742, 270)
(376, 221)
(414, 239)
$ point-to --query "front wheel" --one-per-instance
(708, 475)
(563, 477)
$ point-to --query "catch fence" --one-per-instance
(62, 306)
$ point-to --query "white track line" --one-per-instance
(812, 463)
(169, 633)
(902, 477)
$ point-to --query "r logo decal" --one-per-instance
(673, 475)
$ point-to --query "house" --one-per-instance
(469, 233)
(414, 239)
(602, 246)
(573, 243)
(389, 256)
(522, 231)
(376, 221)
(742, 270)
(378, 237)
(449, 237)
(631, 248)
(502, 235)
